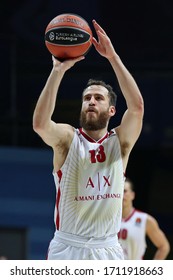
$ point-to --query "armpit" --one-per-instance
(125, 148)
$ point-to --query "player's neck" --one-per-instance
(127, 211)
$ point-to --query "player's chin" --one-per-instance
(92, 118)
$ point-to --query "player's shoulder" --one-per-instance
(141, 213)
(151, 219)
(64, 128)
(152, 224)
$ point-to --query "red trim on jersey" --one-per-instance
(128, 218)
(91, 139)
(59, 173)
(134, 210)
(111, 132)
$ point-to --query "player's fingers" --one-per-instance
(98, 27)
(94, 41)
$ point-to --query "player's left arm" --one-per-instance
(131, 124)
(158, 238)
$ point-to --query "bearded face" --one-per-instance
(96, 110)
(92, 120)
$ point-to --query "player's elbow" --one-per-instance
(137, 107)
(140, 106)
(167, 247)
(37, 124)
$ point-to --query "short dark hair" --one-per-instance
(132, 187)
(111, 93)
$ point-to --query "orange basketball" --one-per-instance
(68, 36)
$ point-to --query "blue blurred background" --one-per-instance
(142, 34)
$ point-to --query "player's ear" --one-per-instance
(112, 110)
(133, 195)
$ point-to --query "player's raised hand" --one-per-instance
(66, 64)
(103, 45)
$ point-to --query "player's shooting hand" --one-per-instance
(103, 45)
(66, 64)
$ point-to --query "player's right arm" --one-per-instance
(58, 136)
(158, 238)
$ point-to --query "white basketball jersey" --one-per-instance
(90, 187)
(132, 235)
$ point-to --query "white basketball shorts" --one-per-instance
(65, 246)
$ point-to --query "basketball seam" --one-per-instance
(67, 45)
(69, 27)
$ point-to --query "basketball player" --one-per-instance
(135, 226)
(89, 162)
